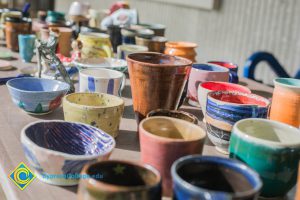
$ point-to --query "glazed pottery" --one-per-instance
(37, 96)
(164, 139)
(114, 33)
(109, 63)
(209, 86)
(95, 45)
(155, 44)
(157, 81)
(115, 180)
(214, 178)
(158, 29)
(103, 111)
(128, 35)
(233, 70)
(298, 185)
(225, 108)
(126, 49)
(102, 81)
(272, 149)
(202, 73)
(286, 101)
(26, 47)
(182, 49)
(175, 114)
(57, 150)
(55, 18)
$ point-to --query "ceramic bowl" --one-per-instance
(225, 108)
(115, 180)
(209, 177)
(37, 96)
(272, 149)
(175, 114)
(233, 70)
(57, 150)
(101, 110)
(109, 63)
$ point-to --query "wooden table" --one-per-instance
(13, 119)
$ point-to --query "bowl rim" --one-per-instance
(8, 84)
(189, 115)
(202, 85)
(220, 68)
(276, 81)
(84, 73)
(26, 139)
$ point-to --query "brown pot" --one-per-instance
(182, 49)
(157, 81)
(156, 44)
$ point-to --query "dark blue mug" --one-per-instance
(233, 70)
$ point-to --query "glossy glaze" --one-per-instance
(26, 47)
(126, 49)
(182, 49)
(175, 114)
(233, 70)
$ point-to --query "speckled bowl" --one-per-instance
(57, 150)
(101, 110)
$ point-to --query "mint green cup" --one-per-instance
(272, 149)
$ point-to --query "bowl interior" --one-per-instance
(223, 86)
(70, 138)
(210, 67)
(174, 114)
(159, 59)
(94, 99)
(288, 81)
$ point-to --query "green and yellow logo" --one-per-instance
(22, 176)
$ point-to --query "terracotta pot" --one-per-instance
(286, 101)
(164, 139)
(182, 49)
(157, 81)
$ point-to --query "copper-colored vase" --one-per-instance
(182, 49)
(157, 81)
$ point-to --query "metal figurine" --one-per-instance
(46, 56)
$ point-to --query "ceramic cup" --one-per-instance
(103, 111)
(115, 180)
(175, 114)
(157, 81)
(182, 49)
(286, 101)
(209, 86)
(202, 73)
(272, 149)
(210, 177)
(233, 70)
(126, 49)
(102, 81)
(164, 139)
(225, 108)
(154, 44)
(26, 47)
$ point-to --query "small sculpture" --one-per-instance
(76, 46)
(46, 57)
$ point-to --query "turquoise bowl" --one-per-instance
(272, 149)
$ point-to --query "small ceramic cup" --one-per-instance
(209, 177)
(102, 81)
(272, 149)
(26, 46)
(101, 110)
(233, 70)
(201, 73)
(164, 139)
(114, 180)
(225, 108)
(175, 114)
(209, 86)
(124, 50)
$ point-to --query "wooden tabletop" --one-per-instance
(13, 119)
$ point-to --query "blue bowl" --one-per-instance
(57, 150)
(37, 96)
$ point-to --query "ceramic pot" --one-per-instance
(157, 81)
(126, 49)
(115, 180)
(102, 81)
(95, 45)
(103, 111)
(286, 101)
(158, 29)
(210, 177)
(114, 33)
(202, 73)
(225, 108)
(298, 185)
(233, 70)
(209, 86)
(26, 47)
(164, 139)
(182, 49)
(272, 149)
(175, 114)
(155, 44)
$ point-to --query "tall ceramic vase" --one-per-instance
(286, 101)
(157, 81)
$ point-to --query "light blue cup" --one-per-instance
(37, 96)
(26, 46)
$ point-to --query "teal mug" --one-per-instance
(272, 149)
(26, 46)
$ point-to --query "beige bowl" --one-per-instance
(103, 111)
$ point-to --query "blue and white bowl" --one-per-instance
(57, 150)
(37, 95)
